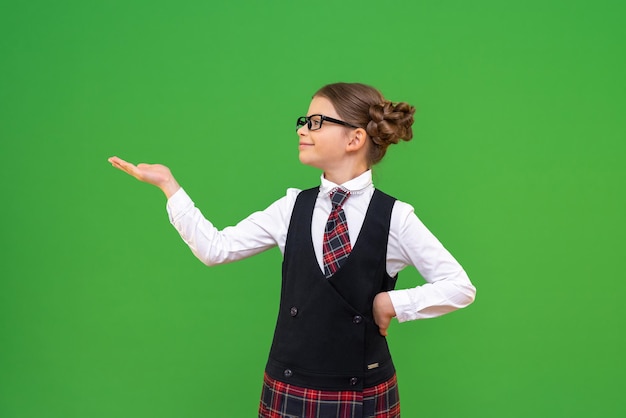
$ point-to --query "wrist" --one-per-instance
(170, 187)
(384, 304)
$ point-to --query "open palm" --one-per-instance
(156, 174)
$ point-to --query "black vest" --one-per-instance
(325, 335)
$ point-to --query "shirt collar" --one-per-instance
(355, 186)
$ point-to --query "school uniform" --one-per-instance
(325, 338)
(326, 344)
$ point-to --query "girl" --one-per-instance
(343, 244)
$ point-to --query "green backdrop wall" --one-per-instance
(517, 166)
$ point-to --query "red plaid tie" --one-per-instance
(336, 246)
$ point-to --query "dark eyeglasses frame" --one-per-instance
(306, 120)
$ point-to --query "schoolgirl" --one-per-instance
(344, 243)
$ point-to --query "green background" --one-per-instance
(517, 165)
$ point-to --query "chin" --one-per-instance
(307, 161)
(303, 159)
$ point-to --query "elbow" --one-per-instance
(466, 290)
(469, 294)
(207, 258)
(214, 259)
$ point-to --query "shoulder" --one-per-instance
(278, 213)
(283, 208)
(285, 204)
(293, 193)
(400, 208)
(403, 214)
(288, 199)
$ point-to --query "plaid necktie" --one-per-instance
(336, 246)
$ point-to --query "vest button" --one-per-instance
(288, 373)
(354, 381)
(357, 319)
(293, 311)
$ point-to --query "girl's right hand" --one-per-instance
(156, 174)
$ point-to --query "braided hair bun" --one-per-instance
(389, 123)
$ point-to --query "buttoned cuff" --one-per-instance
(178, 204)
(401, 302)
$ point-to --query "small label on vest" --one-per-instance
(372, 366)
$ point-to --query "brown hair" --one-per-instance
(364, 106)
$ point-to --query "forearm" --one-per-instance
(212, 246)
(433, 299)
(447, 286)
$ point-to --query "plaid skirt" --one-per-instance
(282, 400)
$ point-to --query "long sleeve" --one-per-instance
(256, 233)
(447, 286)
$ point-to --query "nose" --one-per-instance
(300, 130)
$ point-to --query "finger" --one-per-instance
(123, 165)
(382, 325)
(116, 160)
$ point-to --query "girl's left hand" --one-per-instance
(383, 312)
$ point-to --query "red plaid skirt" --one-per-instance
(282, 400)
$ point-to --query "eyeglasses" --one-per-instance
(314, 122)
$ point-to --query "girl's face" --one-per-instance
(324, 148)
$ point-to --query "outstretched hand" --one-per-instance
(383, 312)
(155, 174)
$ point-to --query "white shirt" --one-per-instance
(447, 286)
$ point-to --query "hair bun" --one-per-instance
(390, 122)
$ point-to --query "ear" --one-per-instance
(357, 140)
